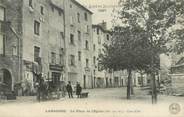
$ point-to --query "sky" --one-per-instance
(106, 14)
(102, 10)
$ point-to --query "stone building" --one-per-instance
(177, 74)
(10, 70)
(35, 43)
(101, 36)
(78, 44)
(48, 37)
(121, 78)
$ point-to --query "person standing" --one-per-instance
(78, 90)
(69, 89)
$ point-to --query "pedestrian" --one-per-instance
(69, 89)
(78, 90)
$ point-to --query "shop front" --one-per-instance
(55, 79)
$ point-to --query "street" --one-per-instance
(108, 102)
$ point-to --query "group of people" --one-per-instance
(43, 89)
(70, 90)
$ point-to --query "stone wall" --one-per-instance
(13, 20)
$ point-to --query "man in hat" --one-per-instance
(69, 89)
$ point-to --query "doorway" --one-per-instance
(84, 81)
(6, 79)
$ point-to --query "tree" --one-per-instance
(128, 50)
(155, 18)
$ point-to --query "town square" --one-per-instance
(91, 58)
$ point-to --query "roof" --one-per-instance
(104, 30)
(56, 6)
(80, 5)
(179, 63)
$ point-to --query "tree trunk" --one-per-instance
(158, 82)
(129, 84)
(132, 87)
(154, 90)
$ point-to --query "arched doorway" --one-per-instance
(6, 79)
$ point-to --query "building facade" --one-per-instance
(101, 36)
(177, 73)
(43, 45)
(11, 51)
(46, 37)
(78, 44)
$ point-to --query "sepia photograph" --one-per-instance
(91, 58)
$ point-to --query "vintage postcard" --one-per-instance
(91, 58)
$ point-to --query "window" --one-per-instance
(72, 60)
(107, 37)
(87, 62)
(70, 6)
(61, 51)
(61, 59)
(87, 29)
(79, 55)
(94, 47)
(87, 45)
(53, 57)
(62, 35)
(71, 20)
(31, 3)
(79, 35)
(94, 60)
(2, 44)
(71, 39)
(14, 50)
(36, 53)
(52, 9)
(2, 37)
(42, 10)
(97, 31)
(86, 16)
(78, 17)
(36, 27)
(59, 13)
(55, 78)
(2, 14)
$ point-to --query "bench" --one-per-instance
(84, 95)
